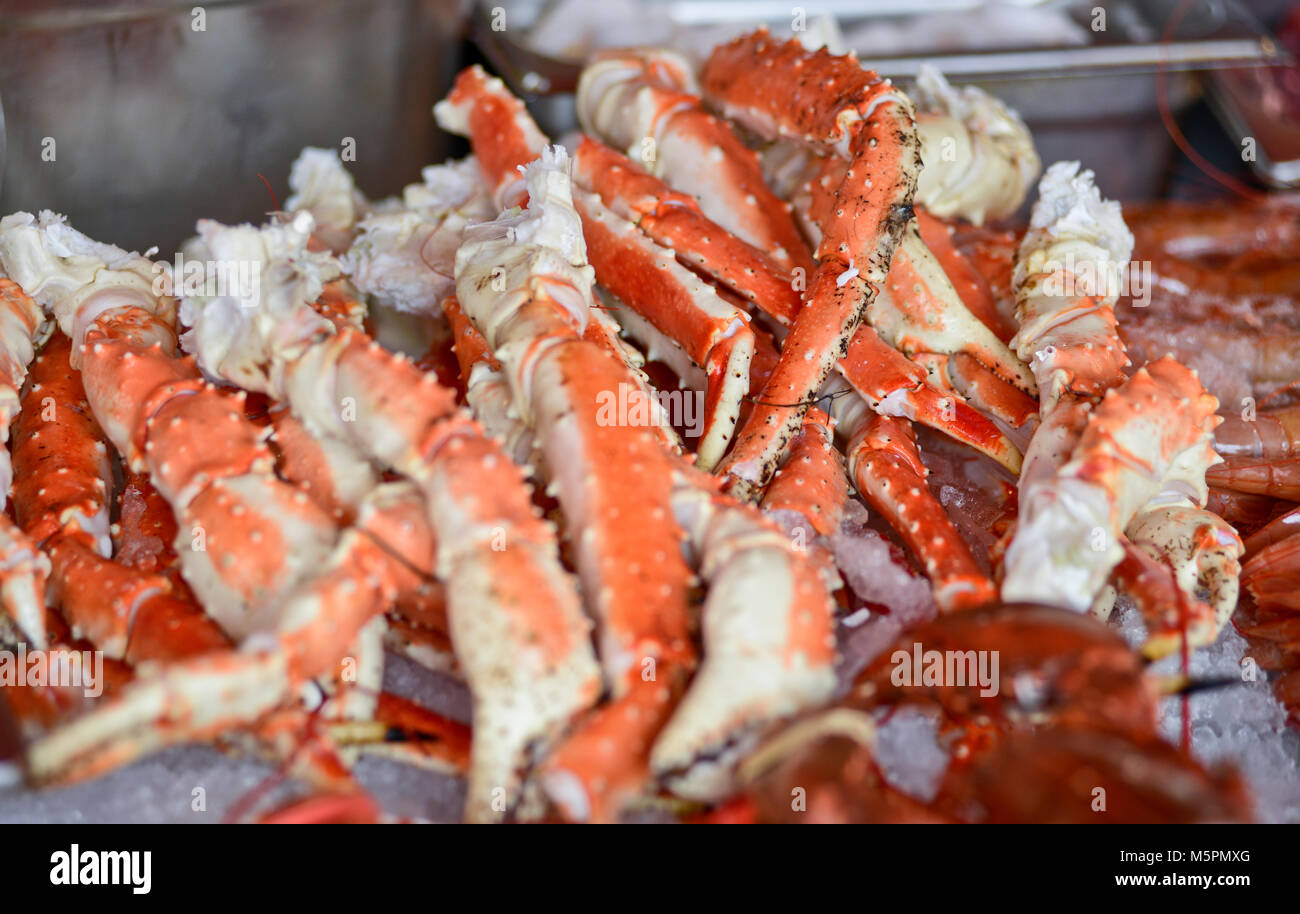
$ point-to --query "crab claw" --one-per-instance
(894, 385)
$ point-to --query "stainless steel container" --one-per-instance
(1098, 100)
(136, 118)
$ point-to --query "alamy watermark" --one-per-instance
(1090, 278)
(948, 669)
(77, 867)
(187, 277)
(632, 406)
(58, 668)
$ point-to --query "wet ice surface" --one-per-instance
(1241, 725)
(909, 754)
(898, 600)
(161, 788)
(971, 487)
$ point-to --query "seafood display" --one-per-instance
(656, 477)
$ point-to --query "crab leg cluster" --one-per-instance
(621, 243)
(919, 311)
(514, 619)
(149, 402)
(613, 89)
(1115, 475)
(76, 283)
(614, 496)
(767, 614)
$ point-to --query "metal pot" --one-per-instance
(135, 118)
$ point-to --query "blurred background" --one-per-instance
(135, 117)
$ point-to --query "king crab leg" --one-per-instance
(769, 643)
(129, 613)
(330, 471)
(647, 103)
(867, 122)
(919, 312)
(163, 628)
(20, 323)
(1067, 329)
(61, 501)
(886, 467)
(486, 389)
(811, 483)
(24, 569)
(918, 309)
(394, 516)
(783, 653)
(896, 386)
(649, 279)
(339, 478)
(1148, 431)
(933, 305)
(341, 482)
(675, 221)
(534, 326)
(1067, 282)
